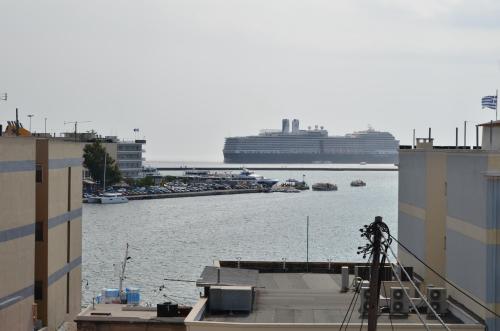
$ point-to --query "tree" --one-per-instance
(93, 160)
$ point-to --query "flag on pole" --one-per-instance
(489, 101)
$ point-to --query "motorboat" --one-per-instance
(358, 183)
(108, 198)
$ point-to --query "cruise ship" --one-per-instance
(313, 145)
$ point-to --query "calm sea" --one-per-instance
(176, 238)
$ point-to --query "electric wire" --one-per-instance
(416, 288)
(444, 279)
(387, 302)
(406, 293)
(357, 291)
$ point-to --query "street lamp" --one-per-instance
(30, 116)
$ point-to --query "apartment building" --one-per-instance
(40, 232)
(449, 207)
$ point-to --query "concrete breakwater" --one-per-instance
(189, 194)
(394, 168)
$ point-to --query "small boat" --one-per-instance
(358, 183)
(296, 184)
(324, 187)
(111, 198)
(107, 198)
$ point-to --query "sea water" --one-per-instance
(176, 238)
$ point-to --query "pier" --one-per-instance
(360, 168)
(188, 194)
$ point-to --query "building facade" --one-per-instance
(129, 157)
(449, 216)
(40, 213)
(17, 232)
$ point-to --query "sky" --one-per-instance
(190, 73)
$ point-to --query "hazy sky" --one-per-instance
(189, 73)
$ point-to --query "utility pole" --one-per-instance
(307, 244)
(465, 134)
(374, 278)
(374, 234)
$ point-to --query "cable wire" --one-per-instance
(387, 302)
(354, 299)
(406, 293)
(443, 278)
(416, 288)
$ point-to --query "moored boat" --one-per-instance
(358, 183)
(324, 187)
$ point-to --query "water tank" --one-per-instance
(285, 125)
(295, 125)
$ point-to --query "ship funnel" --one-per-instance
(285, 125)
(295, 125)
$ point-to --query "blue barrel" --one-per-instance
(133, 296)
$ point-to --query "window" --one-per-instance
(39, 173)
(67, 293)
(38, 290)
(39, 231)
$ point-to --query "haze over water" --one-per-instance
(176, 238)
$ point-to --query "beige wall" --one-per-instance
(18, 316)
(435, 217)
(58, 198)
(17, 211)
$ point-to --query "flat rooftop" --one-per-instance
(310, 298)
(123, 313)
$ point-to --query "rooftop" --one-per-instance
(315, 299)
(122, 313)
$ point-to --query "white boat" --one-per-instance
(107, 197)
(246, 175)
(110, 198)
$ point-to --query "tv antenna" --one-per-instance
(76, 126)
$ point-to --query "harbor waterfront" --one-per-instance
(175, 238)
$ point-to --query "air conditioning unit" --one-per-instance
(400, 303)
(364, 303)
(437, 299)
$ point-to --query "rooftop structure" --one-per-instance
(287, 297)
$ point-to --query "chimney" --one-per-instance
(285, 125)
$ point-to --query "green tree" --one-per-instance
(93, 159)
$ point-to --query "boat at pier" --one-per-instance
(324, 187)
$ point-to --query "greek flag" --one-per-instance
(489, 101)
